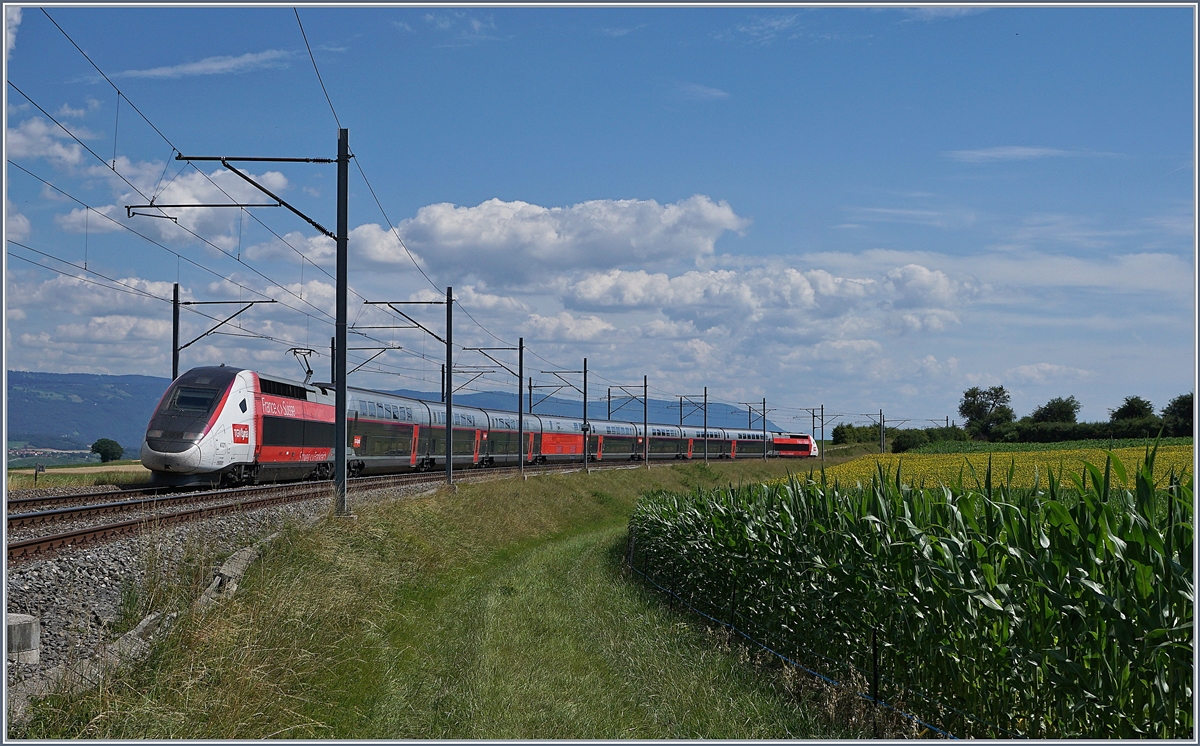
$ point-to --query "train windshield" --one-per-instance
(192, 399)
(196, 392)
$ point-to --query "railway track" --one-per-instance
(22, 504)
(152, 503)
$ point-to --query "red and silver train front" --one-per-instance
(203, 426)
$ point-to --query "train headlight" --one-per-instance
(154, 433)
(192, 436)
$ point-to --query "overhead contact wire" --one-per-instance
(122, 287)
(317, 71)
(174, 149)
(134, 187)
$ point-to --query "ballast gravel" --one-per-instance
(77, 594)
(61, 491)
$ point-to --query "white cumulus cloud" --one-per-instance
(12, 20)
(726, 289)
(16, 225)
(1042, 372)
(109, 329)
(191, 187)
(565, 327)
(38, 138)
(914, 286)
(509, 241)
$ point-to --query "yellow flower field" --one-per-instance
(944, 468)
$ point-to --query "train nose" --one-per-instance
(183, 462)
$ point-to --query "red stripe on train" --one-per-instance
(285, 454)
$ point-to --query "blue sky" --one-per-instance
(859, 207)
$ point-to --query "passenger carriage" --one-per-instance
(237, 426)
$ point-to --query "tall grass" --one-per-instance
(70, 478)
(1000, 611)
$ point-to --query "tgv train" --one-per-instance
(234, 426)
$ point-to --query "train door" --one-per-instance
(733, 449)
(475, 455)
(599, 447)
(691, 446)
(412, 459)
(530, 453)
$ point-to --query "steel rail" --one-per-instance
(198, 492)
(78, 497)
(27, 548)
(120, 506)
(283, 493)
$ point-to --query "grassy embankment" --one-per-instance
(499, 610)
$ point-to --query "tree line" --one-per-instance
(988, 416)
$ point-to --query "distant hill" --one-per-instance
(73, 410)
(62, 410)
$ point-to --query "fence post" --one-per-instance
(629, 548)
(732, 603)
(874, 682)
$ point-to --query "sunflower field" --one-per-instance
(997, 609)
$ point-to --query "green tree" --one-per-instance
(109, 450)
(1057, 409)
(847, 433)
(1135, 407)
(985, 409)
(1177, 416)
(906, 440)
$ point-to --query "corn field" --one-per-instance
(1000, 611)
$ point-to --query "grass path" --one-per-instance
(499, 610)
(555, 644)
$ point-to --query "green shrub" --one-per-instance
(906, 440)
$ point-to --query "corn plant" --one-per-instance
(1001, 610)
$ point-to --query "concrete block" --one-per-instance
(24, 638)
(235, 567)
